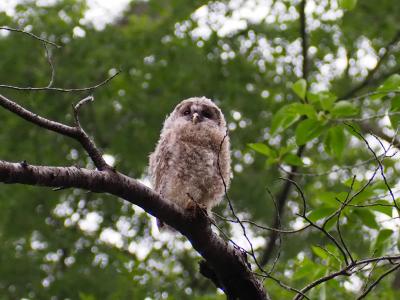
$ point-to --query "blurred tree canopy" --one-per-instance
(248, 56)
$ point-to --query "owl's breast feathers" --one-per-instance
(187, 164)
(200, 135)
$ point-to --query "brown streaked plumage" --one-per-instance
(184, 165)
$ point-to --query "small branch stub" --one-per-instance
(78, 106)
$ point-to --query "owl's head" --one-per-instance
(198, 112)
(197, 121)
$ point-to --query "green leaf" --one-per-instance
(83, 296)
(382, 241)
(305, 268)
(324, 99)
(344, 109)
(327, 198)
(390, 84)
(387, 210)
(263, 149)
(305, 110)
(308, 130)
(300, 88)
(367, 218)
(383, 236)
(292, 159)
(333, 251)
(348, 4)
(330, 224)
(320, 252)
(395, 108)
(322, 292)
(289, 114)
(285, 117)
(320, 213)
(335, 141)
(356, 184)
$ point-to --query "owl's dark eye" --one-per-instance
(206, 114)
(186, 112)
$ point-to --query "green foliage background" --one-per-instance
(254, 73)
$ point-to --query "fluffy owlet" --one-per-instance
(184, 166)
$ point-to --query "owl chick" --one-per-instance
(184, 166)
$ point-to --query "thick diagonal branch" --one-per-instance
(228, 263)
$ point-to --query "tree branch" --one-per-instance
(76, 132)
(367, 127)
(58, 89)
(304, 41)
(371, 74)
(31, 35)
(346, 271)
(226, 261)
(375, 283)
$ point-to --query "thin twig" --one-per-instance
(303, 198)
(379, 163)
(367, 118)
(279, 234)
(226, 236)
(338, 220)
(375, 283)
(285, 286)
(348, 201)
(79, 105)
(334, 170)
(57, 89)
(50, 61)
(252, 253)
(30, 35)
(365, 205)
(346, 271)
(321, 228)
(281, 201)
(205, 214)
(369, 94)
(369, 128)
(285, 231)
(371, 271)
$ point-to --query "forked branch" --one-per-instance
(75, 132)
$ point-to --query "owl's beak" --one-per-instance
(195, 118)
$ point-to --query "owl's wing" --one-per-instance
(158, 165)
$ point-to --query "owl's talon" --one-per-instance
(193, 204)
(204, 209)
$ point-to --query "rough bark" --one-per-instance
(228, 263)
